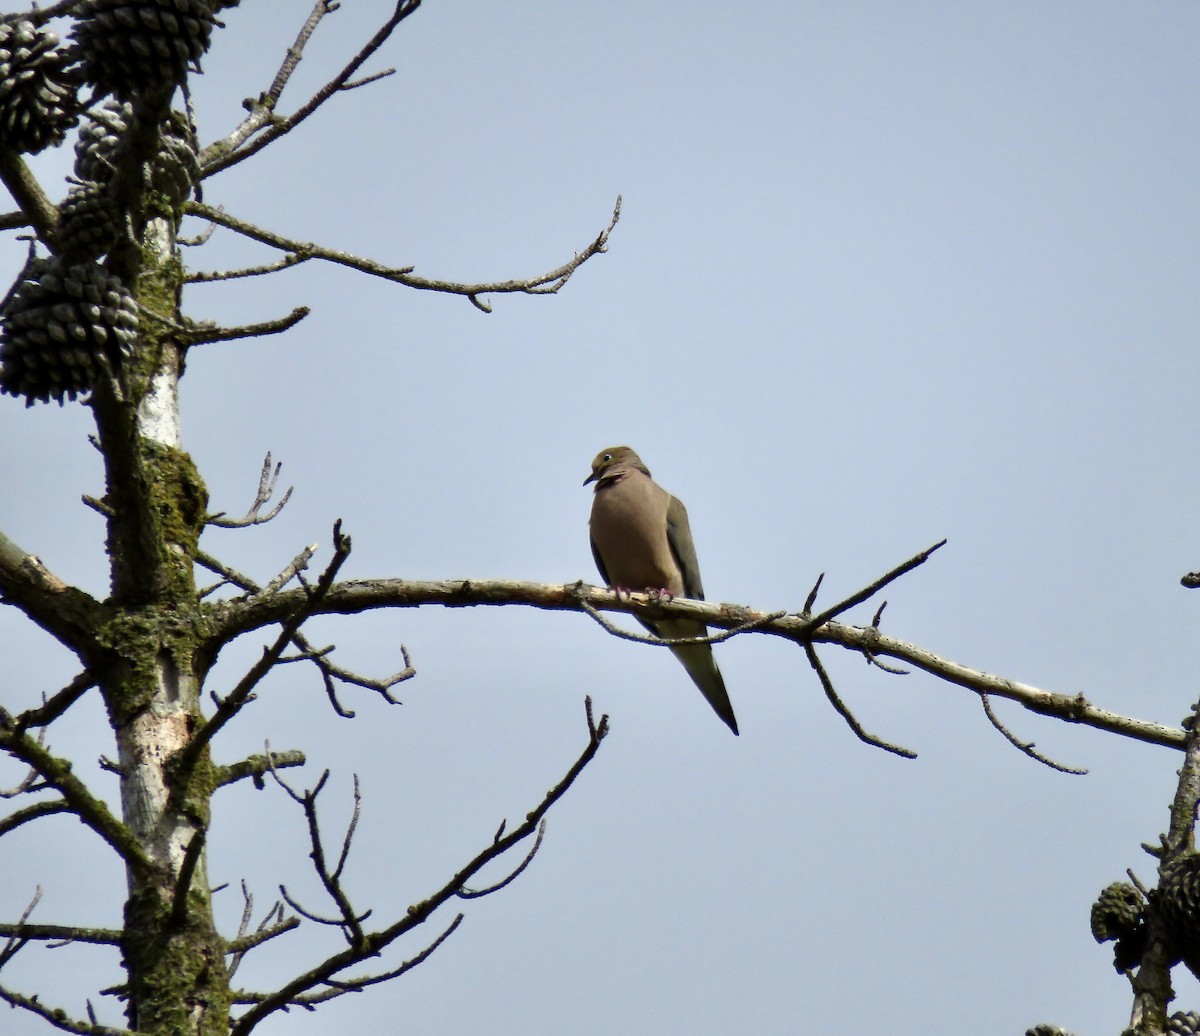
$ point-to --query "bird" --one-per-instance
(641, 538)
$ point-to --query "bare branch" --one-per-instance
(239, 145)
(93, 812)
(65, 612)
(230, 619)
(183, 883)
(256, 767)
(28, 193)
(1025, 746)
(871, 589)
(206, 332)
(41, 15)
(56, 1016)
(229, 706)
(466, 893)
(318, 656)
(34, 812)
(373, 943)
(62, 933)
(656, 641)
(207, 277)
(267, 480)
(544, 284)
(357, 984)
(17, 940)
(57, 704)
(843, 710)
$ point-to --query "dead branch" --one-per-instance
(62, 933)
(65, 612)
(58, 703)
(349, 921)
(318, 656)
(17, 940)
(256, 767)
(545, 284)
(206, 332)
(267, 480)
(183, 882)
(842, 710)
(372, 943)
(242, 694)
(56, 1016)
(357, 984)
(263, 126)
(34, 812)
(230, 619)
(1025, 746)
(209, 276)
(28, 194)
(91, 811)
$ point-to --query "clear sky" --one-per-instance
(886, 273)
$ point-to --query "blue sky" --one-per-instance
(884, 274)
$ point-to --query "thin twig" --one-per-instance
(263, 126)
(843, 711)
(1025, 746)
(544, 284)
(268, 478)
(872, 589)
(183, 884)
(205, 333)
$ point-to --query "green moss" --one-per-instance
(176, 973)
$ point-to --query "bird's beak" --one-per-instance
(592, 477)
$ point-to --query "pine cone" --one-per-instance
(62, 324)
(1179, 898)
(37, 88)
(98, 150)
(99, 139)
(1042, 1029)
(88, 222)
(130, 45)
(1183, 1023)
(1117, 912)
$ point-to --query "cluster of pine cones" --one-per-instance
(67, 317)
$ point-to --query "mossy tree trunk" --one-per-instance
(156, 507)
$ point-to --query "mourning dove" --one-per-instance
(641, 540)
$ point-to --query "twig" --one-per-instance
(545, 284)
(1025, 746)
(243, 142)
(207, 277)
(417, 914)
(842, 710)
(758, 622)
(256, 767)
(268, 478)
(90, 810)
(466, 893)
(206, 333)
(357, 984)
(183, 883)
(872, 588)
(56, 1016)
(57, 703)
(34, 812)
(229, 706)
(17, 940)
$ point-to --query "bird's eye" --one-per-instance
(607, 457)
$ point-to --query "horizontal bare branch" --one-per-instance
(231, 619)
(542, 284)
(56, 1016)
(257, 767)
(205, 332)
(62, 933)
